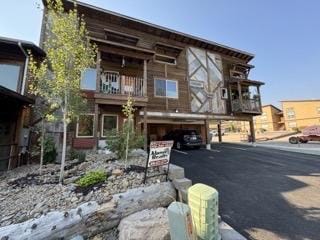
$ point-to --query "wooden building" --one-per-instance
(14, 101)
(177, 80)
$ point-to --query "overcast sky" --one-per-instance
(283, 35)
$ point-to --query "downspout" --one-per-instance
(24, 79)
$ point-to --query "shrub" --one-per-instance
(50, 151)
(92, 178)
(117, 140)
(74, 154)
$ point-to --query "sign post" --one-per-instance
(159, 155)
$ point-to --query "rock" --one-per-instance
(147, 224)
(78, 237)
(117, 172)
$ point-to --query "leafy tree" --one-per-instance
(69, 52)
(124, 141)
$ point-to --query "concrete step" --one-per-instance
(182, 183)
(183, 196)
(175, 172)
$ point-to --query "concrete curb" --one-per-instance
(228, 233)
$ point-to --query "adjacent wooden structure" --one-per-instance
(202, 80)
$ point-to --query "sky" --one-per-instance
(283, 35)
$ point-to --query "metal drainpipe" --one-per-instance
(24, 79)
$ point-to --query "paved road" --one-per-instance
(265, 193)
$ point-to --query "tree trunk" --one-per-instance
(90, 218)
(64, 147)
(42, 146)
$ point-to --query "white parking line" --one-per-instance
(213, 150)
(180, 151)
(243, 149)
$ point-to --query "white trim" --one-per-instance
(166, 80)
(165, 56)
(102, 122)
(77, 128)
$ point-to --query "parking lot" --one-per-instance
(264, 193)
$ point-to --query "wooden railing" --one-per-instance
(113, 83)
(248, 105)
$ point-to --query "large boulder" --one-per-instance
(149, 224)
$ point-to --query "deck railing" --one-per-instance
(248, 105)
(113, 83)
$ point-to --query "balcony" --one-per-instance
(246, 106)
(115, 89)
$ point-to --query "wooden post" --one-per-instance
(252, 132)
(145, 130)
(219, 132)
(98, 66)
(96, 126)
(240, 96)
(145, 78)
(208, 140)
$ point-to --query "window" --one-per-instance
(85, 125)
(318, 110)
(224, 93)
(109, 122)
(166, 88)
(164, 59)
(264, 116)
(88, 79)
(291, 113)
(9, 76)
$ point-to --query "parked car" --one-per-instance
(311, 133)
(184, 138)
(214, 132)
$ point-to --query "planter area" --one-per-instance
(24, 194)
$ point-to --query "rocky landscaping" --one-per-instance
(24, 194)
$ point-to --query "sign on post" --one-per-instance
(159, 155)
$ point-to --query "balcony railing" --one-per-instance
(113, 83)
(247, 105)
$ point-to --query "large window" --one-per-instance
(85, 125)
(291, 113)
(88, 79)
(109, 122)
(9, 76)
(166, 88)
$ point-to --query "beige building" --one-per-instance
(269, 120)
(300, 113)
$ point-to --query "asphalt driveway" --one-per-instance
(264, 193)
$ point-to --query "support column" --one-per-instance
(208, 140)
(96, 126)
(145, 131)
(219, 132)
(252, 132)
(145, 78)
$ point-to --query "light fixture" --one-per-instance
(176, 110)
(123, 63)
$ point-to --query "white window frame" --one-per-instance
(102, 122)
(77, 128)
(165, 56)
(167, 80)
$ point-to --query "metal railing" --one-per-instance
(248, 105)
(113, 83)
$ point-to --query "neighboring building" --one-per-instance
(269, 120)
(15, 103)
(176, 80)
(298, 114)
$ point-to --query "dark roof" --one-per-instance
(303, 100)
(270, 105)
(150, 27)
(7, 94)
(25, 44)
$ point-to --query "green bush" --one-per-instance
(92, 178)
(74, 154)
(117, 140)
(50, 151)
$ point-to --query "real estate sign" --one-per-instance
(159, 155)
